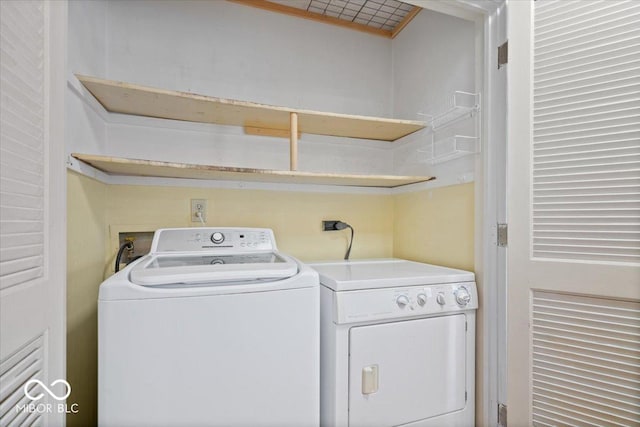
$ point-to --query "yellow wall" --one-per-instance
(296, 218)
(436, 226)
(433, 226)
(86, 248)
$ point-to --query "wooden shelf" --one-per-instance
(135, 167)
(128, 98)
(257, 119)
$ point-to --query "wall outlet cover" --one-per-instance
(198, 205)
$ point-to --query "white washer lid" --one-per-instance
(197, 268)
(385, 273)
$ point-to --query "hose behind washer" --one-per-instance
(125, 245)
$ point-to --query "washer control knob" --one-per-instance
(217, 237)
(402, 301)
(462, 296)
(440, 298)
(422, 299)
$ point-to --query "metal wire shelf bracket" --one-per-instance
(453, 148)
(463, 106)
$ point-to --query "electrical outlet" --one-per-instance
(329, 225)
(198, 205)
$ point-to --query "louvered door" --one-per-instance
(574, 213)
(32, 210)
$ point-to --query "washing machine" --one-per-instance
(215, 327)
(397, 344)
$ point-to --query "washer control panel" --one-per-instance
(394, 303)
(208, 239)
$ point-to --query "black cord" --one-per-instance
(341, 226)
(346, 255)
(125, 245)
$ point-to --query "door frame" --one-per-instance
(56, 196)
(491, 196)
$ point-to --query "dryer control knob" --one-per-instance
(462, 296)
(422, 299)
(402, 301)
(217, 237)
(440, 298)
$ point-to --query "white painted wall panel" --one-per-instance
(433, 57)
(229, 146)
(232, 51)
(87, 40)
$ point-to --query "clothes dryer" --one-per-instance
(397, 344)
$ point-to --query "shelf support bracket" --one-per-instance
(293, 142)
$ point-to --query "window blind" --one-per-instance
(21, 142)
(586, 131)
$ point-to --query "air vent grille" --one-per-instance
(382, 14)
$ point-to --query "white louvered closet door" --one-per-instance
(32, 210)
(574, 213)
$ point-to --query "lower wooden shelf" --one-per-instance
(152, 168)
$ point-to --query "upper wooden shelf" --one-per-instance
(138, 167)
(128, 98)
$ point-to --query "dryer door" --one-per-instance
(406, 371)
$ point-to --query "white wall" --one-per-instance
(87, 44)
(234, 51)
(432, 57)
(229, 50)
(158, 139)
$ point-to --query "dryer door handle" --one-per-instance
(370, 379)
